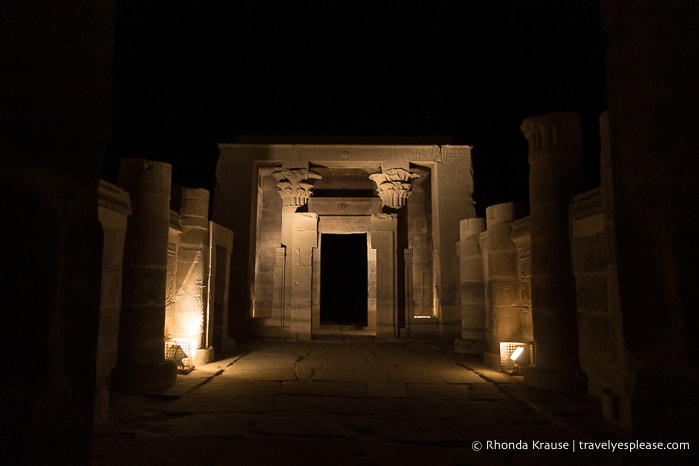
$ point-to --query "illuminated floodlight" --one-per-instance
(515, 356)
(517, 353)
(182, 351)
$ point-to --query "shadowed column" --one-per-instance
(473, 339)
(555, 176)
(142, 367)
(650, 176)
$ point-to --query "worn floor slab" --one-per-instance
(350, 403)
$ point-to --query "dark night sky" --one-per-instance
(189, 75)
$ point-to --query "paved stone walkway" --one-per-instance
(336, 404)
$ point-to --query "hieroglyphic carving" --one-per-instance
(393, 186)
(292, 185)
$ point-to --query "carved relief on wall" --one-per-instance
(292, 185)
(393, 186)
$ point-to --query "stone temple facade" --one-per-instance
(344, 239)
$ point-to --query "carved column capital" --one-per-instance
(293, 187)
(552, 132)
(393, 186)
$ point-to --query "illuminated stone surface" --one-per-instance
(504, 298)
(393, 184)
(189, 320)
(141, 365)
(412, 282)
(521, 236)
(473, 324)
(292, 184)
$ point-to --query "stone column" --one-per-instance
(294, 189)
(556, 175)
(652, 101)
(451, 199)
(303, 244)
(503, 282)
(114, 207)
(394, 187)
(383, 240)
(142, 367)
(56, 102)
(473, 340)
(192, 272)
(614, 397)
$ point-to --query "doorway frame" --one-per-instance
(344, 225)
(347, 249)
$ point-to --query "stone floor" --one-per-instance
(352, 403)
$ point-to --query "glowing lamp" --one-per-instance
(517, 353)
(515, 356)
(182, 351)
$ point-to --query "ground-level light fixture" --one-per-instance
(183, 352)
(515, 356)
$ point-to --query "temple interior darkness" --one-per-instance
(133, 260)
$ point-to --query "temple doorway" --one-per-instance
(343, 279)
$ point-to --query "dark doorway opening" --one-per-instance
(343, 279)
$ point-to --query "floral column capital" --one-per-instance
(293, 187)
(393, 186)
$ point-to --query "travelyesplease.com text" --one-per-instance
(577, 445)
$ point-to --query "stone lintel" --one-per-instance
(344, 205)
(324, 154)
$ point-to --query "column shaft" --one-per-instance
(141, 364)
(555, 158)
(473, 340)
(191, 319)
(503, 281)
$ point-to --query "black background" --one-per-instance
(191, 74)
